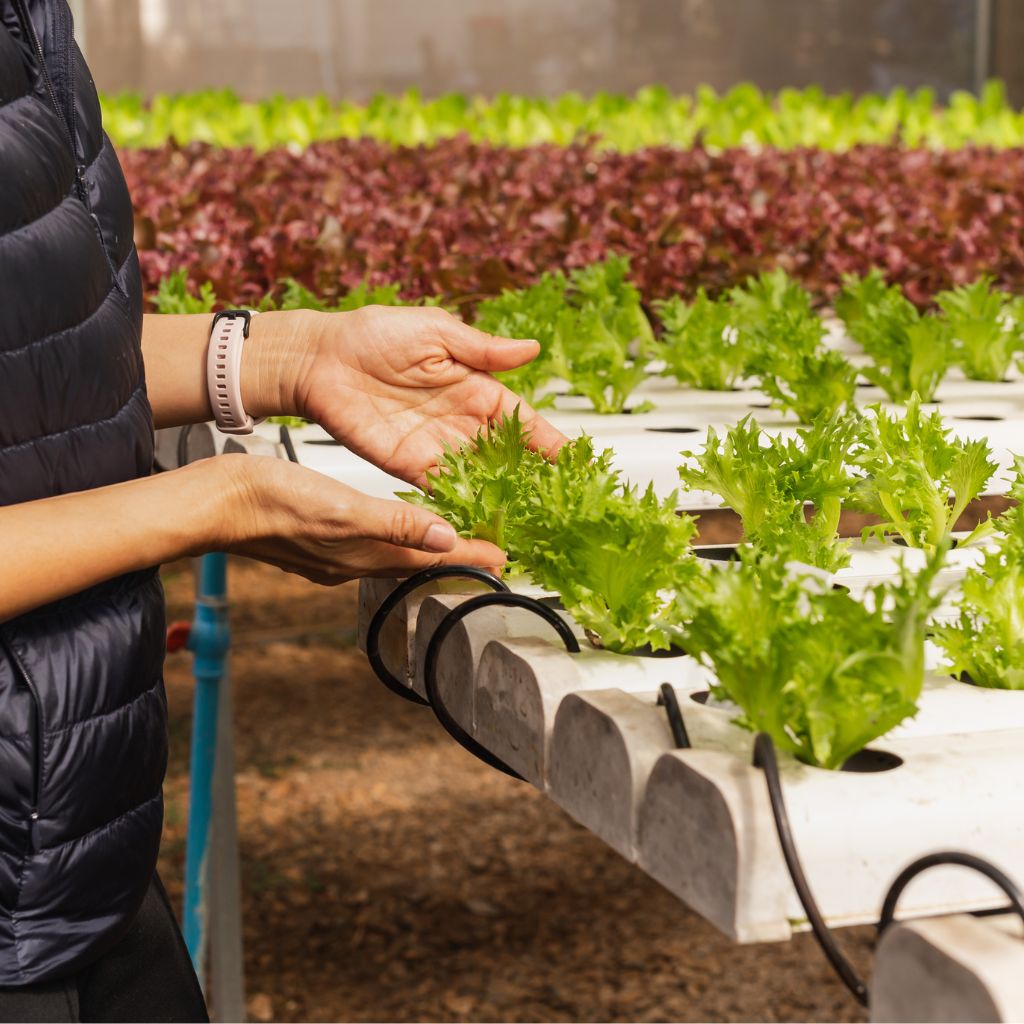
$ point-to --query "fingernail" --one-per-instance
(439, 537)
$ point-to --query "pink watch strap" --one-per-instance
(224, 371)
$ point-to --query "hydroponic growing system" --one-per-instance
(638, 750)
(793, 732)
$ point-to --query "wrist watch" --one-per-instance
(228, 332)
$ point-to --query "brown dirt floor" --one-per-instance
(387, 875)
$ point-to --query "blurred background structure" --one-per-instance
(354, 48)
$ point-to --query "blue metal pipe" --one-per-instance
(209, 641)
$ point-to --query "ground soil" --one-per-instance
(388, 875)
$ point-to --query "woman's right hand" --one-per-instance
(309, 524)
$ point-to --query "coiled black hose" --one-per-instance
(448, 623)
(399, 594)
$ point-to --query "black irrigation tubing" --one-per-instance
(764, 758)
(670, 702)
(967, 860)
(286, 439)
(399, 594)
(448, 623)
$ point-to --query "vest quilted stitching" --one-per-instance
(83, 744)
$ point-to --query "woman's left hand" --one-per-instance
(396, 383)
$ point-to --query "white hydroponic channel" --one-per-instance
(586, 729)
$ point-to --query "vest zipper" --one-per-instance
(37, 745)
(33, 39)
(70, 127)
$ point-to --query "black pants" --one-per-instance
(147, 976)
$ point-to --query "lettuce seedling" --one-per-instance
(298, 296)
(860, 299)
(771, 481)
(601, 367)
(819, 671)
(605, 335)
(606, 286)
(917, 478)
(795, 370)
(812, 386)
(911, 352)
(487, 489)
(909, 357)
(592, 331)
(986, 642)
(173, 295)
(620, 558)
(530, 313)
(782, 338)
(986, 328)
(700, 346)
(772, 291)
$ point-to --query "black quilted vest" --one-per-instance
(83, 743)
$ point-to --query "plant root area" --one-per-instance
(389, 876)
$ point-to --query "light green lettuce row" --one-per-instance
(743, 116)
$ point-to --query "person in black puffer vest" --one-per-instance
(85, 929)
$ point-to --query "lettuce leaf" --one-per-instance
(175, 296)
(487, 489)
(795, 369)
(620, 558)
(592, 329)
(860, 298)
(986, 328)
(987, 640)
(910, 352)
(699, 345)
(822, 673)
(530, 313)
(772, 291)
(916, 477)
(771, 481)
(297, 296)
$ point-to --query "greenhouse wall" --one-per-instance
(355, 48)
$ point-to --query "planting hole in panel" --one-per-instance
(672, 430)
(980, 417)
(864, 762)
(675, 651)
(717, 553)
(589, 409)
(325, 440)
(900, 542)
(707, 700)
(868, 760)
(552, 601)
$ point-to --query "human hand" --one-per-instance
(308, 524)
(395, 384)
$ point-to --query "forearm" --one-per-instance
(58, 546)
(274, 356)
